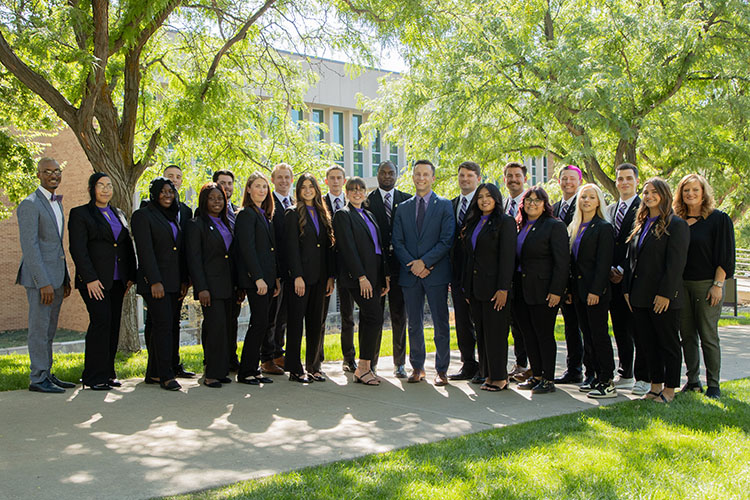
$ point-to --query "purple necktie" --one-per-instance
(56, 197)
(462, 212)
(420, 214)
(512, 208)
(286, 203)
(336, 205)
(387, 204)
(619, 217)
(563, 210)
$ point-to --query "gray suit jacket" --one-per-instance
(43, 261)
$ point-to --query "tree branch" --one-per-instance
(95, 85)
(241, 34)
(368, 12)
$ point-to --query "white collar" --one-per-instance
(628, 202)
(340, 197)
(383, 192)
(468, 197)
(46, 193)
(281, 198)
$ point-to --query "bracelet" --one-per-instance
(362, 278)
(718, 283)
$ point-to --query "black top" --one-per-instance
(458, 259)
(489, 267)
(94, 248)
(357, 249)
(545, 257)
(377, 208)
(589, 273)
(309, 255)
(256, 252)
(711, 246)
(210, 264)
(161, 258)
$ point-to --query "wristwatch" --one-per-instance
(718, 283)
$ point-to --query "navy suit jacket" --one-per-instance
(432, 244)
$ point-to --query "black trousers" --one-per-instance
(257, 331)
(272, 343)
(594, 325)
(102, 335)
(217, 319)
(346, 312)
(492, 338)
(370, 321)
(234, 360)
(160, 342)
(398, 324)
(633, 361)
(465, 334)
(519, 348)
(576, 357)
(175, 345)
(537, 324)
(661, 333)
(304, 310)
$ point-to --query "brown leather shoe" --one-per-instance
(279, 362)
(416, 376)
(523, 376)
(272, 368)
(441, 379)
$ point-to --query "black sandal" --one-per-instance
(493, 388)
(373, 380)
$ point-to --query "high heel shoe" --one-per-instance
(152, 380)
(303, 379)
(171, 385)
(113, 382)
(365, 380)
(98, 387)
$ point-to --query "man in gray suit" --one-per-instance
(43, 272)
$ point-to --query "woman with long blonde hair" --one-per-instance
(710, 261)
(653, 284)
(592, 243)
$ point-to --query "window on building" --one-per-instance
(375, 148)
(359, 155)
(297, 115)
(317, 117)
(337, 132)
(533, 171)
(394, 155)
(545, 173)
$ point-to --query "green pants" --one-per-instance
(699, 322)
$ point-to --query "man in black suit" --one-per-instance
(515, 178)
(174, 174)
(272, 349)
(383, 203)
(225, 179)
(335, 201)
(469, 177)
(633, 365)
(570, 180)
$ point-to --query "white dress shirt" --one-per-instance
(56, 209)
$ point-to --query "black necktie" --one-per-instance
(420, 214)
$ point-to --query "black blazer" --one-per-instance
(210, 264)
(621, 240)
(160, 257)
(280, 237)
(544, 260)
(357, 249)
(457, 250)
(489, 267)
(590, 272)
(256, 249)
(377, 208)
(569, 214)
(309, 255)
(186, 213)
(95, 250)
(656, 268)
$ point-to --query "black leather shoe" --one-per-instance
(98, 387)
(182, 373)
(172, 385)
(529, 384)
(543, 387)
(318, 377)
(248, 381)
(692, 386)
(45, 386)
(151, 380)
(225, 380)
(569, 378)
(463, 374)
(713, 392)
(113, 382)
(61, 383)
(477, 379)
(349, 366)
(303, 379)
(214, 385)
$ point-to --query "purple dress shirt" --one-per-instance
(314, 218)
(649, 222)
(116, 225)
(224, 231)
(373, 231)
(521, 238)
(477, 230)
(577, 241)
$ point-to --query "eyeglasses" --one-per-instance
(49, 172)
(357, 189)
(104, 187)
(532, 201)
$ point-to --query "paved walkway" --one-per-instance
(140, 441)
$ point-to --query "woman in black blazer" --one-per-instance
(364, 272)
(592, 243)
(257, 270)
(209, 245)
(162, 276)
(489, 240)
(657, 253)
(309, 238)
(542, 257)
(103, 253)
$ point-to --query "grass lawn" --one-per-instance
(693, 448)
(15, 338)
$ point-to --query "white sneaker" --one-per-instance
(624, 383)
(588, 387)
(602, 391)
(640, 388)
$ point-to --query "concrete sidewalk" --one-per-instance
(140, 441)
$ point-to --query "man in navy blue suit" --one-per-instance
(422, 237)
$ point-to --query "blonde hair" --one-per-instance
(282, 166)
(708, 204)
(575, 224)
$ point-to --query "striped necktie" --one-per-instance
(336, 205)
(512, 207)
(387, 203)
(286, 203)
(462, 211)
(563, 210)
(619, 217)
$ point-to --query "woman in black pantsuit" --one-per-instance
(542, 257)
(489, 240)
(592, 243)
(209, 247)
(161, 275)
(309, 237)
(257, 270)
(103, 253)
(657, 254)
(363, 271)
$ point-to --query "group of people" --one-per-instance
(655, 264)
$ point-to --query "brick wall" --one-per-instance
(14, 313)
